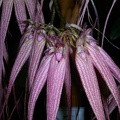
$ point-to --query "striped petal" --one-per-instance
(38, 84)
(53, 67)
(35, 57)
(31, 6)
(111, 102)
(68, 80)
(22, 56)
(20, 12)
(105, 72)
(39, 16)
(55, 90)
(5, 18)
(90, 85)
(111, 64)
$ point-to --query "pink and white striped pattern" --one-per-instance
(90, 84)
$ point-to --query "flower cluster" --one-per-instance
(48, 50)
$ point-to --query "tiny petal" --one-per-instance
(58, 56)
(40, 37)
(30, 36)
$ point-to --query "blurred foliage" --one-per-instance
(115, 30)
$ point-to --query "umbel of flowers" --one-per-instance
(48, 50)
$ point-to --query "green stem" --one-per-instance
(58, 11)
(53, 15)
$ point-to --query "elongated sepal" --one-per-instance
(67, 81)
(31, 6)
(22, 56)
(20, 13)
(5, 17)
(35, 57)
(7, 6)
(90, 85)
(111, 102)
(38, 84)
(104, 70)
(55, 89)
(111, 64)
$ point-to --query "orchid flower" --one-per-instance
(21, 16)
(89, 51)
(29, 38)
(6, 7)
(48, 51)
(51, 70)
(89, 81)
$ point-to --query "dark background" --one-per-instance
(13, 39)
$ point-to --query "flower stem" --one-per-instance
(58, 11)
(53, 15)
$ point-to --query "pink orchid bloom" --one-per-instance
(29, 41)
(51, 70)
(35, 56)
(103, 63)
(21, 16)
(88, 52)
(38, 84)
(54, 87)
(90, 84)
(48, 51)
